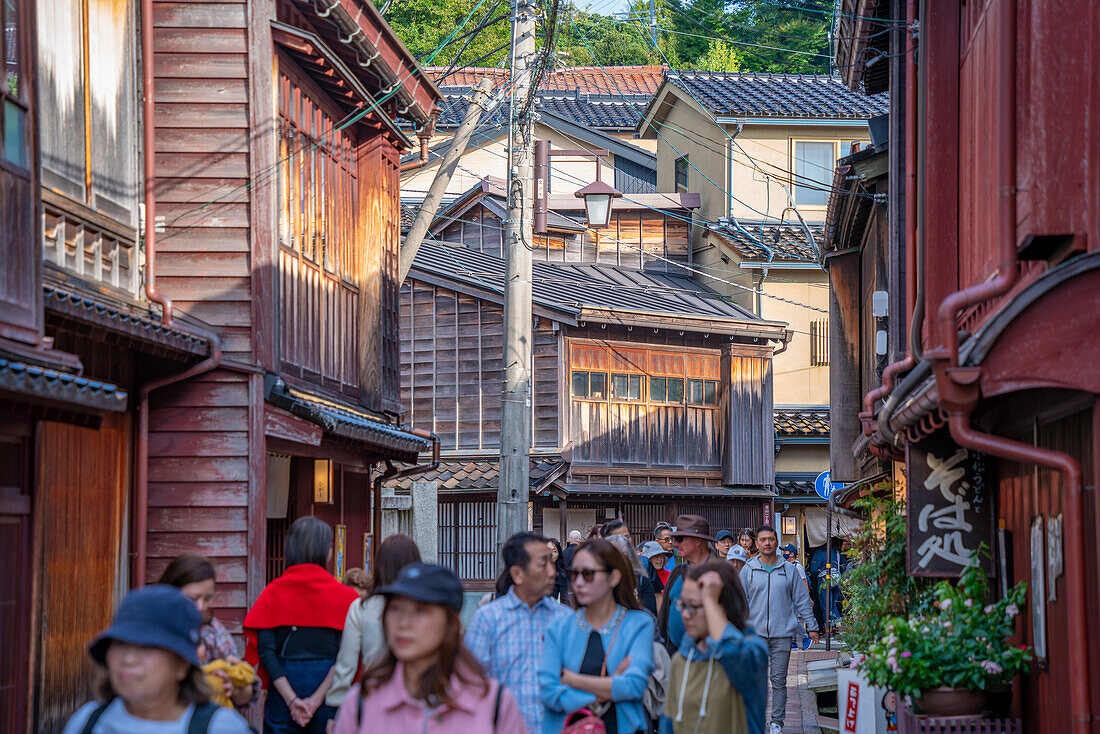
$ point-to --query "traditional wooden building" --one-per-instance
(198, 313)
(991, 267)
(650, 394)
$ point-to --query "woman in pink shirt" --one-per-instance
(428, 681)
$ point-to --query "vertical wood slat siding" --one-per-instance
(319, 260)
(643, 433)
(452, 369)
(81, 510)
(199, 478)
(748, 433)
(203, 169)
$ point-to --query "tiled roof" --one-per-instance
(572, 287)
(63, 387)
(794, 487)
(342, 419)
(604, 112)
(479, 473)
(408, 215)
(801, 422)
(140, 326)
(787, 242)
(777, 95)
(585, 79)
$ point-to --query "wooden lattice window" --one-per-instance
(13, 92)
(319, 183)
(468, 538)
(819, 343)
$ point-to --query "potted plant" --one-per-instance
(953, 650)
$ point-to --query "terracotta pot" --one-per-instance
(951, 702)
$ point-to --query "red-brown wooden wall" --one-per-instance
(201, 65)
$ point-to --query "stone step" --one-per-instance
(828, 725)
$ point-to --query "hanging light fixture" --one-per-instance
(597, 203)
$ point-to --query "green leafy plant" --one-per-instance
(876, 586)
(955, 639)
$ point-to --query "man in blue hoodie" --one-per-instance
(778, 599)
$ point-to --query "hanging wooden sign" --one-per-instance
(950, 508)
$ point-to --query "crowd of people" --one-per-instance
(679, 634)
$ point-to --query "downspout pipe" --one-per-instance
(148, 107)
(959, 387)
(425, 136)
(141, 470)
(908, 362)
(391, 473)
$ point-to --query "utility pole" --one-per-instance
(653, 22)
(515, 419)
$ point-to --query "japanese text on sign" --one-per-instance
(950, 512)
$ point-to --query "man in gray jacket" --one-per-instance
(777, 600)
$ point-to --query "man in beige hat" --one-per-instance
(693, 540)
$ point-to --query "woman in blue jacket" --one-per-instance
(600, 657)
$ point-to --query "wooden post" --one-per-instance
(844, 366)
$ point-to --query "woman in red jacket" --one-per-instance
(294, 629)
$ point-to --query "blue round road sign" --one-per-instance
(824, 486)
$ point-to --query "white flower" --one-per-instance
(968, 603)
(1011, 611)
(988, 609)
(947, 625)
(991, 667)
(945, 604)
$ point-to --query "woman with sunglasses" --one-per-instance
(718, 683)
(599, 658)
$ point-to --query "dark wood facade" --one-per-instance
(1006, 256)
(626, 420)
(276, 239)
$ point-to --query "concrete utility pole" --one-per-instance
(443, 176)
(515, 418)
(653, 21)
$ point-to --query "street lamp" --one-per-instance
(597, 203)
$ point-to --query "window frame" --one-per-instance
(588, 385)
(841, 148)
(22, 65)
(676, 174)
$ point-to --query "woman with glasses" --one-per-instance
(597, 661)
(718, 683)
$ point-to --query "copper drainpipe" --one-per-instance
(425, 136)
(391, 473)
(959, 387)
(149, 144)
(908, 362)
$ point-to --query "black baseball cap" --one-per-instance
(154, 616)
(723, 534)
(427, 582)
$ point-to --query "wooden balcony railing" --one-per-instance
(88, 244)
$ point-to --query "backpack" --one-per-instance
(199, 724)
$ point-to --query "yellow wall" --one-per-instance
(487, 158)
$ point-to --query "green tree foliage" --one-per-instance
(424, 24)
(591, 39)
(720, 56)
(800, 28)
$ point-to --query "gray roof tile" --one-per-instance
(756, 241)
(777, 95)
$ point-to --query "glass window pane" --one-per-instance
(710, 392)
(14, 147)
(580, 384)
(695, 392)
(619, 386)
(813, 168)
(9, 21)
(657, 389)
(597, 386)
(635, 387)
(676, 389)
